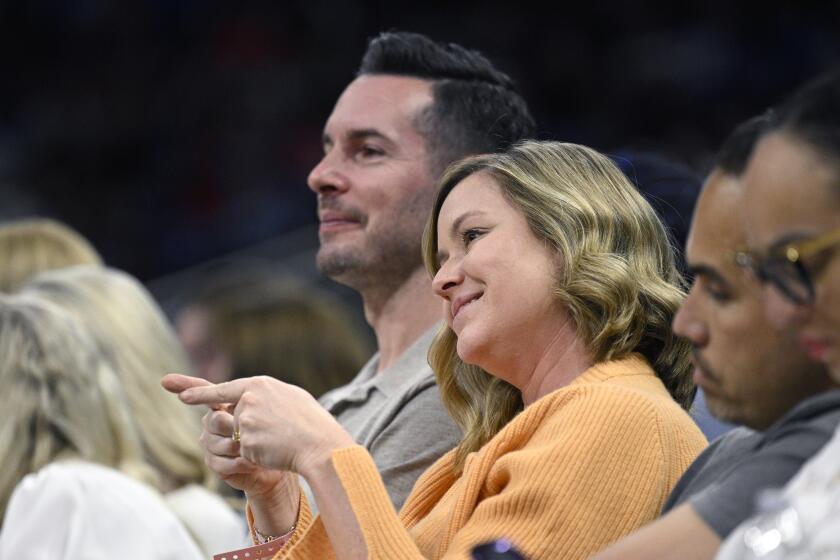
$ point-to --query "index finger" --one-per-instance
(229, 392)
(177, 383)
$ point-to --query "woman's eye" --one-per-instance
(470, 235)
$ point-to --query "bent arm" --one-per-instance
(337, 515)
(356, 517)
(679, 535)
(696, 528)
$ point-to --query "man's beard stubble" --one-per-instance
(378, 261)
(386, 254)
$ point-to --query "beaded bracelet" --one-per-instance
(262, 538)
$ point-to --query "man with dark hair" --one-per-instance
(415, 106)
(476, 107)
(750, 373)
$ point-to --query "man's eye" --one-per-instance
(718, 293)
(370, 152)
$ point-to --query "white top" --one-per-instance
(808, 517)
(213, 523)
(83, 511)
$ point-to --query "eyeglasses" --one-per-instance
(782, 266)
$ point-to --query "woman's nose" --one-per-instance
(447, 277)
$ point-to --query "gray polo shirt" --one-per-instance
(722, 483)
(398, 416)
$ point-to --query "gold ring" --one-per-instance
(235, 435)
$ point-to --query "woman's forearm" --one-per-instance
(335, 510)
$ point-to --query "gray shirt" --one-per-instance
(398, 416)
(722, 483)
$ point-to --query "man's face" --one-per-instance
(751, 374)
(796, 193)
(375, 185)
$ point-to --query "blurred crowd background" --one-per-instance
(176, 133)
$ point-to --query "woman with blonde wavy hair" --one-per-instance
(556, 358)
(127, 324)
(74, 482)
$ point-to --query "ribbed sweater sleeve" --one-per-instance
(574, 472)
(371, 505)
(598, 464)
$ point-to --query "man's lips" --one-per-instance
(701, 378)
(815, 348)
(332, 220)
(702, 373)
(460, 302)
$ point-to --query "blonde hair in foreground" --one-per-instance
(618, 280)
(61, 398)
(125, 321)
(28, 247)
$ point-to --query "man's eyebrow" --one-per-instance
(705, 270)
(786, 239)
(356, 134)
(361, 133)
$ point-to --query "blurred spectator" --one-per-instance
(252, 322)
(30, 246)
(672, 189)
(128, 325)
(72, 483)
(206, 116)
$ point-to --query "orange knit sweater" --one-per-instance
(573, 472)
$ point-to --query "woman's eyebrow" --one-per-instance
(453, 230)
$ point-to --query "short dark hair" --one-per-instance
(812, 114)
(735, 152)
(476, 108)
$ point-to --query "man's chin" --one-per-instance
(335, 262)
(724, 411)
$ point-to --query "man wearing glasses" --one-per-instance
(795, 229)
(752, 374)
(783, 266)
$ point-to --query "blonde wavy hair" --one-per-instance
(618, 282)
(30, 246)
(61, 398)
(127, 323)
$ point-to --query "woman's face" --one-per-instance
(792, 194)
(497, 281)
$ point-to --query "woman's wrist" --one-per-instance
(261, 538)
(274, 511)
(320, 459)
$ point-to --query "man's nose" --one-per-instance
(327, 176)
(688, 322)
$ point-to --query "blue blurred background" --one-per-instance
(172, 132)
